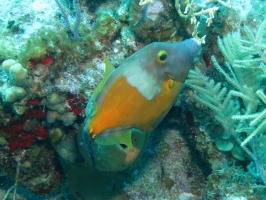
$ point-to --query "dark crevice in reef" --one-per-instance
(180, 113)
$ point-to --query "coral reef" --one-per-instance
(152, 21)
(25, 131)
(43, 178)
(238, 180)
(166, 174)
(58, 109)
(52, 58)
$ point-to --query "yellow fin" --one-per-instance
(108, 69)
(94, 110)
(115, 138)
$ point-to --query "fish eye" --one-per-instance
(162, 55)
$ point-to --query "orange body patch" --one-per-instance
(125, 106)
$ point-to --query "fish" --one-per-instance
(138, 94)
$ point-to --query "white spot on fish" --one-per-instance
(145, 82)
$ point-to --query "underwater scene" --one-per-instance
(133, 100)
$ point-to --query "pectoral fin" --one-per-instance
(113, 138)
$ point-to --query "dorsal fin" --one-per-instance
(94, 110)
(108, 70)
(108, 67)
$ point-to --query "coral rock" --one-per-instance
(7, 64)
(18, 75)
(13, 94)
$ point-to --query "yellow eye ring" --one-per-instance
(162, 55)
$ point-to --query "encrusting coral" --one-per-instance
(18, 79)
(13, 93)
(18, 75)
(58, 109)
